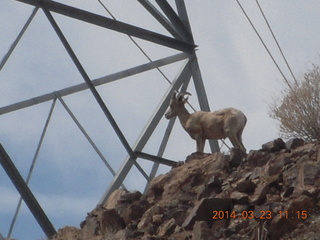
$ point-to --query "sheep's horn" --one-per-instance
(182, 94)
(174, 94)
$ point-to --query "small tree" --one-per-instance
(299, 109)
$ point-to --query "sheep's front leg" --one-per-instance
(233, 139)
(200, 144)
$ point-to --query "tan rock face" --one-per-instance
(273, 192)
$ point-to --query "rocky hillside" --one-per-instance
(272, 193)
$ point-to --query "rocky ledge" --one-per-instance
(271, 193)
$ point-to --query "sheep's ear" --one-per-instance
(174, 94)
(185, 99)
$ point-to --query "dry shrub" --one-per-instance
(299, 108)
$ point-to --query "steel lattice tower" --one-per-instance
(176, 23)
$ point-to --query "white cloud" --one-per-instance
(9, 199)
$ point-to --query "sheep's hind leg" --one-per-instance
(200, 144)
(239, 138)
(234, 140)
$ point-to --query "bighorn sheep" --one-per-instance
(221, 124)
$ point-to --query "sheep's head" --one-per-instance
(176, 104)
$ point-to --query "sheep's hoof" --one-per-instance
(237, 156)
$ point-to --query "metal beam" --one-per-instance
(183, 15)
(86, 135)
(26, 193)
(96, 82)
(162, 147)
(111, 24)
(164, 141)
(175, 20)
(155, 159)
(87, 80)
(184, 75)
(16, 41)
(195, 69)
(160, 18)
(143, 173)
(32, 166)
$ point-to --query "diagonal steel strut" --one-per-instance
(89, 83)
(26, 193)
(96, 82)
(111, 24)
(184, 75)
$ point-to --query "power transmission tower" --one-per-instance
(177, 25)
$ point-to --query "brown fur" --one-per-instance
(221, 124)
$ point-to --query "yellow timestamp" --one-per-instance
(259, 215)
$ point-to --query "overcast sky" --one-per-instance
(70, 178)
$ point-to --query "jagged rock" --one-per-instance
(206, 192)
(177, 211)
(91, 227)
(196, 156)
(267, 184)
(218, 228)
(289, 176)
(259, 193)
(184, 235)
(239, 198)
(191, 175)
(256, 173)
(292, 215)
(258, 158)
(126, 234)
(130, 197)
(236, 157)
(307, 148)
(179, 205)
(110, 221)
(146, 224)
(157, 187)
(215, 182)
(309, 231)
(210, 189)
(276, 164)
(167, 228)
(294, 143)
(246, 186)
(121, 235)
(235, 226)
(203, 211)
(157, 219)
(273, 198)
(201, 231)
(134, 211)
(107, 220)
(152, 238)
(287, 192)
(114, 198)
(274, 146)
(311, 173)
(69, 233)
